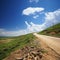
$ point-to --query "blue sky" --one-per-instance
(18, 17)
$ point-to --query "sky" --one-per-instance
(19, 17)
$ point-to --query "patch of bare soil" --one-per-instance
(39, 51)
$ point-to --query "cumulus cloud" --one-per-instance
(32, 10)
(33, 1)
(50, 19)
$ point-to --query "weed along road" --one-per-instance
(52, 42)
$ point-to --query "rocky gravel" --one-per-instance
(30, 53)
(26, 53)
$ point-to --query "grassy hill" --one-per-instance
(52, 31)
(10, 44)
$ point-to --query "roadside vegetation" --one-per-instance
(52, 31)
(10, 44)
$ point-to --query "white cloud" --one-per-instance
(50, 19)
(36, 16)
(33, 1)
(32, 10)
(4, 32)
(34, 27)
(31, 27)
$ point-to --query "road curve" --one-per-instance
(52, 42)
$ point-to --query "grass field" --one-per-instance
(10, 44)
(52, 31)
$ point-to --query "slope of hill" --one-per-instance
(9, 44)
(52, 31)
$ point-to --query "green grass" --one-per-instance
(52, 31)
(16, 43)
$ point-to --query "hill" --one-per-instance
(24, 47)
(10, 44)
(52, 31)
(26, 44)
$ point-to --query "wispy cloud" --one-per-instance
(32, 10)
(4, 32)
(31, 27)
(50, 19)
(36, 16)
(33, 1)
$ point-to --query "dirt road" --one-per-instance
(37, 50)
(52, 42)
